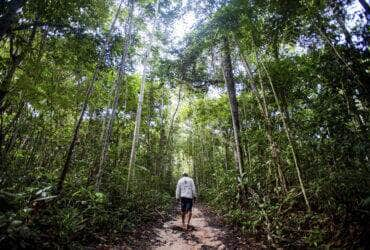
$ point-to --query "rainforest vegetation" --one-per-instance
(104, 103)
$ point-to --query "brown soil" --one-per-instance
(199, 236)
(207, 231)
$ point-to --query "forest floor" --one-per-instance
(199, 235)
(207, 231)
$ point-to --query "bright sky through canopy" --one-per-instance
(184, 24)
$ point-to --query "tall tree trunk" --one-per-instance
(117, 90)
(13, 129)
(275, 151)
(230, 85)
(168, 138)
(162, 141)
(150, 141)
(15, 61)
(10, 129)
(288, 135)
(174, 113)
(137, 123)
(261, 100)
(72, 144)
(89, 92)
(226, 156)
(140, 101)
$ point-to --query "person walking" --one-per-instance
(186, 192)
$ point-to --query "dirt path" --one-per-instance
(208, 231)
(200, 236)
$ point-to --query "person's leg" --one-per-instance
(183, 214)
(189, 218)
(189, 208)
(183, 211)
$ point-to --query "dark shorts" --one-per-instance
(186, 204)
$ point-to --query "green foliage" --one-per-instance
(50, 55)
(79, 218)
(318, 80)
(305, 91)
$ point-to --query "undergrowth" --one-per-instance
(280, 219)
(36, 219)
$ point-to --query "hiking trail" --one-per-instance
(200, 235)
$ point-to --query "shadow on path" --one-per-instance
(199, 236)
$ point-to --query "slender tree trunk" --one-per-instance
(196, 171)
(72, 144)
(120, 148)
(13, 126)
(16, 59)
(137, 123)
(140, 101)
(32, 148)
(149, 152)
(246, 150)
(167, 139)
(261, 100)
(174, 113)
(230, 84)
(89, 92)
(117, 90)
(162, 141)
(226, 156)
(275, 151)
(288, 135)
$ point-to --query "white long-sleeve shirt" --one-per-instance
(185, 188)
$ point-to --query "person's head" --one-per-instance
(185, 175)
